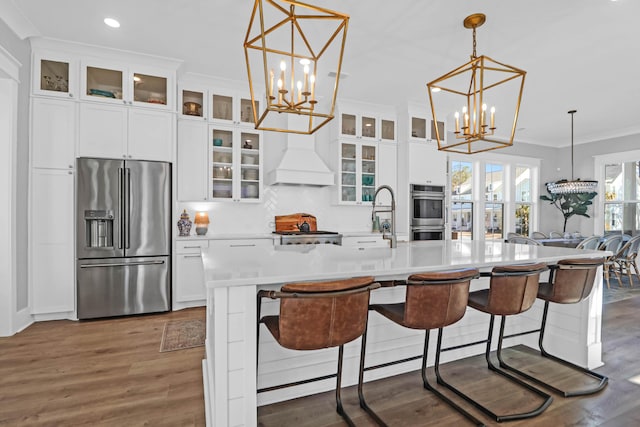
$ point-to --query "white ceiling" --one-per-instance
(578, 54)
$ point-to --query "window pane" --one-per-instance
(461, 221)
(623, 217)
(523, 184)
(622, 181)
(494, 183)
(523, 216)
(461, 180)
(493, 224)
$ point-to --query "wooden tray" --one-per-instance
(291, 222)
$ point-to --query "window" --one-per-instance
(494, 196)
(498, 193)
(622, 197)
(523, 200)
(461, 200)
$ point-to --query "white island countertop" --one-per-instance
(281, 264)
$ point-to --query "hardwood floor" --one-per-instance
(401, 401)
(100, 373)
(110, 373)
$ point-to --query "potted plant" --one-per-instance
(570, 204)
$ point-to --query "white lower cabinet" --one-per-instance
(51, 261)
(189, 285)
(367, 241)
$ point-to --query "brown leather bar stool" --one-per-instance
(433, 300)
(572, 282)
(512, 290)
(316, 315)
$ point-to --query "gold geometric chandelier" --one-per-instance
(296, 49)
(466, 98)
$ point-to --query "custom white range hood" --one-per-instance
(301, 164)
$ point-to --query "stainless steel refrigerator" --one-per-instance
(123, 237)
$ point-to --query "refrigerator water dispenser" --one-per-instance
(99, 226)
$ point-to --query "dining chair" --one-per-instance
(555, 235)
(611, 243)
(625, 259)
(539, 235)
(591, 242)
(524, 240)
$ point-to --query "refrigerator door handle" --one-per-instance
(120, 207)
(122, 264)
(127, 208)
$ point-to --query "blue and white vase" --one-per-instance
(184, 225)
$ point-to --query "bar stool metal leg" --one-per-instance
(339, 408)
(497, 417)
(425, 382)
(603, 380)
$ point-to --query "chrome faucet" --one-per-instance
(393, 242)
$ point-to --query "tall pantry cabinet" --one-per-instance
(135, 114)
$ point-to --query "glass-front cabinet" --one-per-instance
(236, 158)
(232, 108)
(192, 103)
(55, 75)
(121, 85)
(358, 172)
(366, 126)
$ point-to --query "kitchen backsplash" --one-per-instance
(230, 218)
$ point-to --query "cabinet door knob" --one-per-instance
(70, 166)
(70, 95)
(124, 102)
(124, 156)
(70, 172)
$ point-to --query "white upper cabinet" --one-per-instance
(135, 85)
(55, 75)
(427, 165)
(53, 133)
(192, 160)
(103, 131)
(111, 131)
(151, 135)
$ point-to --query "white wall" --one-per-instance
(16, 151)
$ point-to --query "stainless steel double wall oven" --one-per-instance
(428, 212)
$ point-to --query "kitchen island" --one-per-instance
(234, 275)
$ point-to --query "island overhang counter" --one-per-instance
(234, 275)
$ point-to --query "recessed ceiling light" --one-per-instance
(435, 89)
(112, 22)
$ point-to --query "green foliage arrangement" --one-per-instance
(570, 204)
